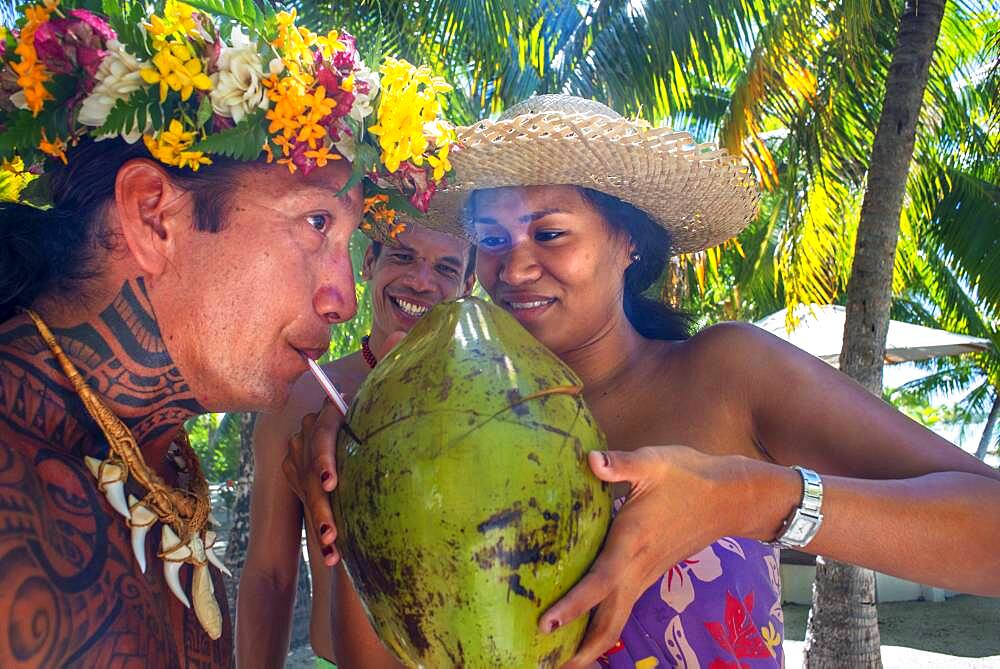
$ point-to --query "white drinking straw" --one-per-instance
(328, 386)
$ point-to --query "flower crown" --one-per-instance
(211, 78)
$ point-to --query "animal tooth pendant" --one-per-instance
(174, 554)
(140, 520)
(210, 538)
(206, 608)
(111, 481)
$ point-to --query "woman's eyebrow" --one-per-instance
(527, 218)
(535, 215)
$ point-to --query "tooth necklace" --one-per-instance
(366, 352)
(184, 514)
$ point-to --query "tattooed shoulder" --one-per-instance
(69, 597)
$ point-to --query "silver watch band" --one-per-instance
(804, 522)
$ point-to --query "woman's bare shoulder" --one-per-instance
(730, 344)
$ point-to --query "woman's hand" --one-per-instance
(311, 469)
(311, 466)
(679, 501)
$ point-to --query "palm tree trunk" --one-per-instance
(984, 443)
(302, 611)
(843, 622)
(239, 532)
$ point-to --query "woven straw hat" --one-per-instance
(699, 193)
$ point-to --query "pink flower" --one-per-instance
(331, 80)
(421, 198)
(79, 40)
(344, 60)
(298, 156)
(409, 178)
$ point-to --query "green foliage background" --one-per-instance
(789, 84)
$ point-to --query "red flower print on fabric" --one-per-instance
(736, 634)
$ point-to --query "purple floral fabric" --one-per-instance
(718, 609)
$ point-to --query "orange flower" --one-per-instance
(32, 74)
(55, 148)
(322, 155)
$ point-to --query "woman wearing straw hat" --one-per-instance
(724, 445)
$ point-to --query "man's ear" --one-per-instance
(152, 210)
(368, 264)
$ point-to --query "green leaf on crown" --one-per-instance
(123, 117)
(204, 111)
(253, 15)
(38, 192)
(245, 141)
(366, 158)
(22, 134)
(126, 17)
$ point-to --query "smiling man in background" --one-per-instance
(407, 279)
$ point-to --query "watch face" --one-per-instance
(799, 532)
(801, 529)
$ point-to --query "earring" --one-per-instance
(636, 256)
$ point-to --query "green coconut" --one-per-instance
(465, 505)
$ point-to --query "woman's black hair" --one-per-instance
(651, 318)
(55, 248)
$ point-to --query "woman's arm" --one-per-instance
(897, 497)
(355, 643)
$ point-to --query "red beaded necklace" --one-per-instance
(367, 354)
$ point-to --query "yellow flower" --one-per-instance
(292, 42)
(193, 159)
(13, 178)
(55, 148)
(771, 637)
(440, 163)
(289, 163)
(177, 23)
(172, 147)
(321, 156)
(330, 44)
(408, 103)
(177, 68)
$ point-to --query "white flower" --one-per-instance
(236, 86)
(362, 107)
(117, 78)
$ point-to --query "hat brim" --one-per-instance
(700, 194)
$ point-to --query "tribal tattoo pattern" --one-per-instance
(71, 594)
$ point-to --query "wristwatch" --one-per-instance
(803, 524)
